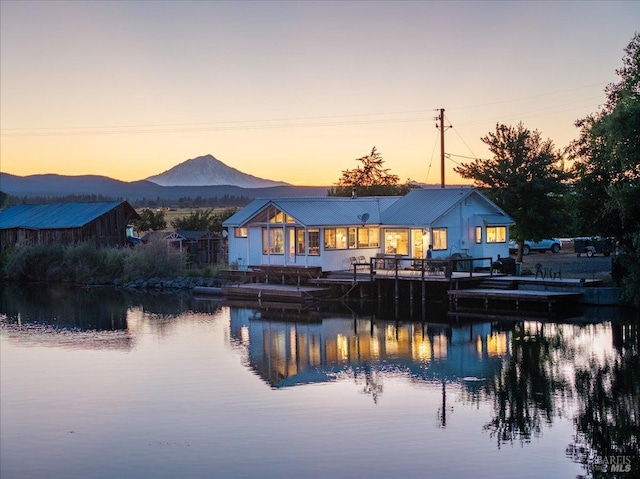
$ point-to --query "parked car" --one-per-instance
(592, 246)
(552, 244)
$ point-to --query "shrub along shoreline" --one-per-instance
(154, 265)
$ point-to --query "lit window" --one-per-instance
(240, 232)
(420, 240)
(368, 237)
(496, 234)
(279, 216)
(329, 239)
(478, 234)
(314, 242)
(300, 248)
(336, 238)
(352, 238)
(272, 240)
(396, 241)
(439, 238)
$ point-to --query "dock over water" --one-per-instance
(476, 290)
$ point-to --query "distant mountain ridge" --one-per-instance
(204, 176)
(51, 185)
(209, 171)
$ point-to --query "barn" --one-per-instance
(102, 223)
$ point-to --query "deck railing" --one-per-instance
(425, 267)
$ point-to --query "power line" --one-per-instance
(141, 130)
(265, 123)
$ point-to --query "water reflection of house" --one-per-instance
(288, 354)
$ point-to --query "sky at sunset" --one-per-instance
(294, 91)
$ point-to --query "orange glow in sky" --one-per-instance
(293, 91)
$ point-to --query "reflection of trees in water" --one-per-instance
(65, 306)
(608, 418)
(101, 309)
(547, 367)
(530, 389)
(161, 311)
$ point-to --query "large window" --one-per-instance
(496, 234)
(439, 238)
(335, 238)
(277, 216)
(273, 240)
(314, 241)
(351, 238)
(396, 241)
(369, 237)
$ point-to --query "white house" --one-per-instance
(329, 231)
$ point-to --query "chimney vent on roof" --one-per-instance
(354, 193)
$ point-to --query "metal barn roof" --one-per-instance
(55, 216)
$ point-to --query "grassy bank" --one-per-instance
(84, 264)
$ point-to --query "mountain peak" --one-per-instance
(209, 171)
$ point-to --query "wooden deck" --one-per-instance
(275, 292)
(508, 300)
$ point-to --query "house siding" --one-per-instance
(456, 210)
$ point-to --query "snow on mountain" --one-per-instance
(209, 171)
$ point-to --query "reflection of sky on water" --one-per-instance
(210, 391)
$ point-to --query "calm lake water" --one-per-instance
(103, 384)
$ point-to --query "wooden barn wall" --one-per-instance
(108, 230)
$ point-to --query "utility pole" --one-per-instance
(442, 128)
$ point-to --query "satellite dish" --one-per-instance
(225, 233)
(364, 218)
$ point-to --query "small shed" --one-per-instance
(101, 223)
(202, 247)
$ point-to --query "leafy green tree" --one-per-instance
(607, 167)
(526, 178)
(203, 220)
(199, 220)
(150, 221)
(370, 179)
(221, 217)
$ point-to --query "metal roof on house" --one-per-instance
(246, 213)
(495, 219)
(419, 208)
(319, 211)
(55, 216)
(423, 207)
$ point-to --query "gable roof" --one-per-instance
(57, 215)
(319, 211)
(424, 206)
(420, 207)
